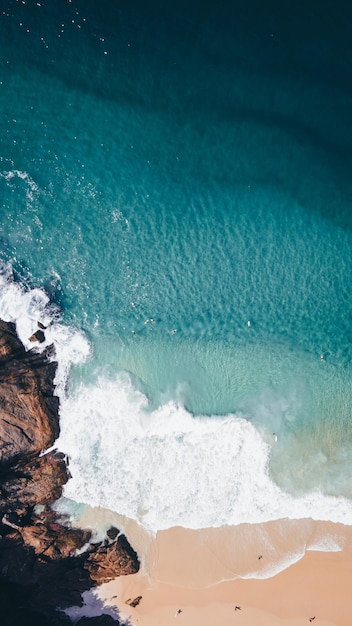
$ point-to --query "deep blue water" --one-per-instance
(176, 177)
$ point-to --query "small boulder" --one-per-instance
(112, 532)
(134, 602)
(37, 336)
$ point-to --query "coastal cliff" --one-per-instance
(45, 564)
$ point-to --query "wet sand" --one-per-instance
(203, 572)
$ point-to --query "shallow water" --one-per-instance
(176, 181)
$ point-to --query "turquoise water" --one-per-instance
(177, 181)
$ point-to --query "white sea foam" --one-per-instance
(327, 543)
(28, 307)
(163, 467)
(32, 188)
(166, 467)
(280, 563)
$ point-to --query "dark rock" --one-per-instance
(135, 602)
(14, 601)
(48, 582)
(101, 620)
(37, 336)
(112, 532)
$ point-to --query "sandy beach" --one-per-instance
(198, 578)
(318, 586)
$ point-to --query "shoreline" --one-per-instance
(317, 586)
(207, 573)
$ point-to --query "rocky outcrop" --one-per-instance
(37, 481)
(111, 557)
(44, 563)
(28, 407)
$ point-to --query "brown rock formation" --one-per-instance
(40, 554)
(28, 408)
(32, 482)
(107, 559)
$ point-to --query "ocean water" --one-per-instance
(176, 207)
